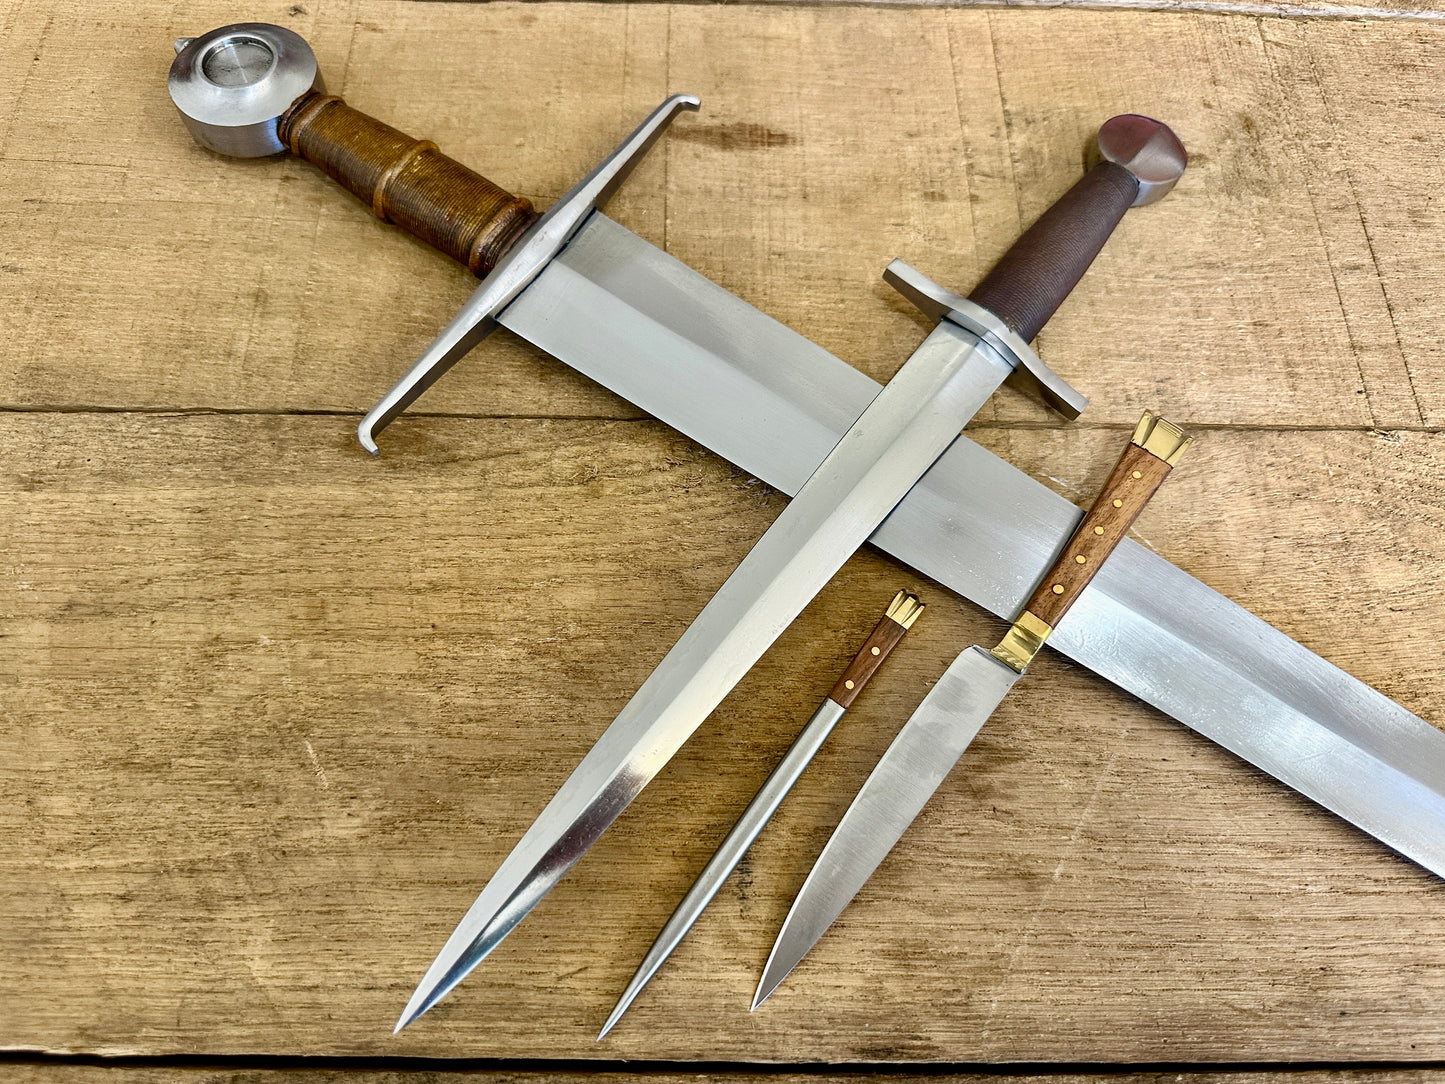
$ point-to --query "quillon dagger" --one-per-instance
(917, 415)
(900, 616)
(626, 314)
(954, 710)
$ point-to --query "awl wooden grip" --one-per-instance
(407, 181)
(902, 612)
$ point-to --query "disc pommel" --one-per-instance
(1147, 149)
(234, 84)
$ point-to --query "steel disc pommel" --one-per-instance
(233, 85)
(253, 89)
(1145, 147)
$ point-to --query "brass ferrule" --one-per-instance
(1022, 642)
(904, 609)
(1161, 437)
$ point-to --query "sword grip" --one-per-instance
(1147, 460)
(407, 181)
(1140, 159)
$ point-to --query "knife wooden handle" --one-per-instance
(902, 612)
(407, 181)
(1140, 161)
(1147, 460)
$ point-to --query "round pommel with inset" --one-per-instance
(233, 85)
(1146, 148)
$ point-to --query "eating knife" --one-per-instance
(954, 711)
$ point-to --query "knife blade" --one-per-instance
(900, 616)
(954, 711)
(898, 436)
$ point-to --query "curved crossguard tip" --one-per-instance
(515, 271)
(939, 303)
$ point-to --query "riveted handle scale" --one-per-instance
(1134, 480)
(1047, 261)
(407, 181)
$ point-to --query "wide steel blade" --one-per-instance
(922, 754)
(906, 427)
(685, 350)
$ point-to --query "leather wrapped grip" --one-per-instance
(1047, 261)
(407, 181)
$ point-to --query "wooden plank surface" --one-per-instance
(275, 710)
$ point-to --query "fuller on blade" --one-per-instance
(953, 712)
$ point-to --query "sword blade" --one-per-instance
(921, 756)
(643, 324)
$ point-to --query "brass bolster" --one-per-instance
(1022, 642)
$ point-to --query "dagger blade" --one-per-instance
(906, 427)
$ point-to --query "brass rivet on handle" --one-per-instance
(1058, 589)
(1080, 559)
(877, 652)
(1098, 530)
(1118, 503)
(848, 684)
(1138, 475)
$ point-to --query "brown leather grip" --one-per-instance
(407, 181)
(1135, 478)
(1037, 273)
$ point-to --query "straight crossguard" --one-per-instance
(683, 349)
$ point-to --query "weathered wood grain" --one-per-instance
(1290, 279)
(275, 710)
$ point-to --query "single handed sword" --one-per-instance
(954, 710)
(698, 358)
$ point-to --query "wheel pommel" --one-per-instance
(232, 85)
(1148, 149)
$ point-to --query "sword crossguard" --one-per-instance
(523, 262)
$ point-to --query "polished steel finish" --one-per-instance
(940, 303)
(232, 85)
(686, 351)
(1147, 149)
(903, 430)
(523, 262)
(924, 752)
(730, 853)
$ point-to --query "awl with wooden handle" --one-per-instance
(902, 612)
